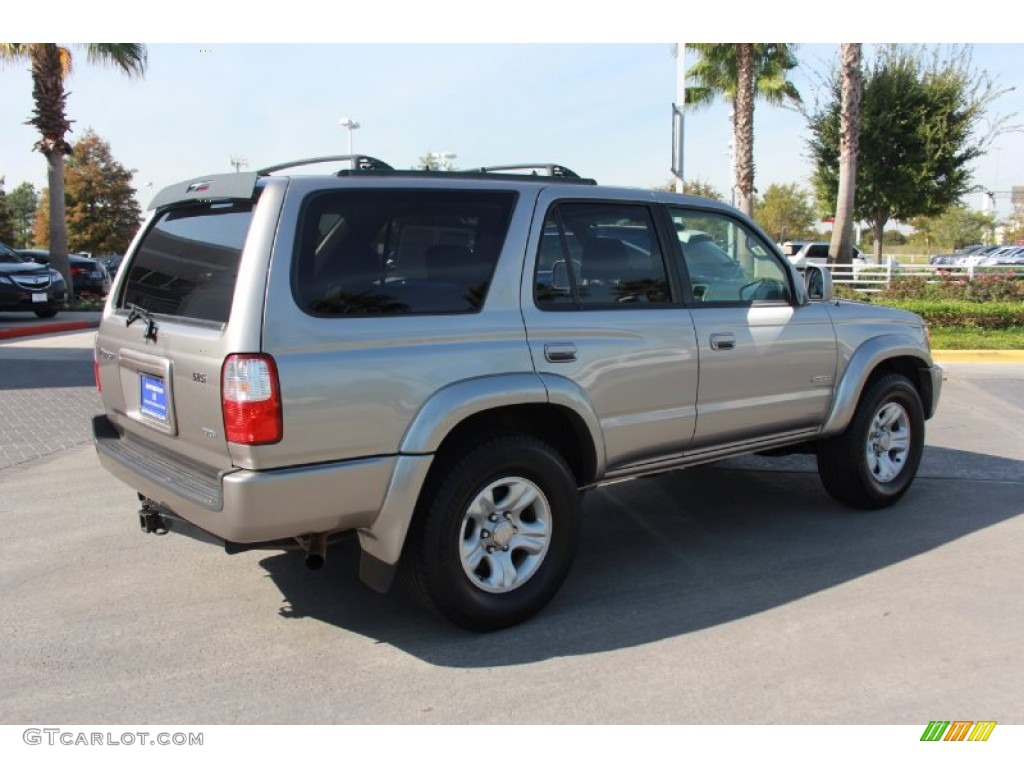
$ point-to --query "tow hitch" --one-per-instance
(150, 520)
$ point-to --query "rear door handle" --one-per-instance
(723, 341)
(560, 352)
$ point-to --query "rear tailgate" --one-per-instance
(189, 294)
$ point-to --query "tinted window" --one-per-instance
(398, 252)
(187, 263)
(726, 262)
(599, 254)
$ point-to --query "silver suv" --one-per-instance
(442, 362)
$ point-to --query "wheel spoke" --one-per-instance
(899, 442)
(503, 572)
(473, 554)
(533, 543)
(520, 497)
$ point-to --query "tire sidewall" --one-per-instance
(450, 586)
(901, 392)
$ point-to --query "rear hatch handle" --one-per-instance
(138, 313)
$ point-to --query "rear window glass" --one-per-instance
(398, 252)
(187, 263)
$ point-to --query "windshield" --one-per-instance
(9, 256)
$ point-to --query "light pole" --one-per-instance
(352, 125)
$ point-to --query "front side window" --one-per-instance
(398, 252)
(726, 262)
(599, 255)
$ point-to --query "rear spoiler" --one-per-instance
(221, 186)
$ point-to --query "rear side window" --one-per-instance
(187, 263)
(398, 252)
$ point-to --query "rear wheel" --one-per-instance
(872, 464)
(495, 536)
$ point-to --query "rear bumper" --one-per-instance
(244, 506)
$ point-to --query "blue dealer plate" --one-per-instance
(153, 397)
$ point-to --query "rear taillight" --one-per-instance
(251, 400)
(96, 370)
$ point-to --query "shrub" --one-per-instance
(963, 314)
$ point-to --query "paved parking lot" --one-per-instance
(734, 593)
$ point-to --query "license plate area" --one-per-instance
(39, 298)
(152, 397)
(147, 384)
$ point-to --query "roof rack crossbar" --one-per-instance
(362, 162)
(552, 169)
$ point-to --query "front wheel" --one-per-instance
(872, 464)
(495, 535)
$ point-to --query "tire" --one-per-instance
(46, 313)
(872, 464)
(495, 533)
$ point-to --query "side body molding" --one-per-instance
(867, 357)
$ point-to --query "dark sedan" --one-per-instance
(88, 276)
(26, 286)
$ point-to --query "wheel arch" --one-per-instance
(881, 355)
(550, 408)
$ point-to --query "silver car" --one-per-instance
(442, 362)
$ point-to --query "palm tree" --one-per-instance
(742, 73)
(840, 249)
(50, 65)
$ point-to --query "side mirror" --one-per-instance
(818, 280)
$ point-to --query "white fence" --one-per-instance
(871, 278)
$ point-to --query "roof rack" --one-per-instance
(360, 162)
(364, 165)
(552, 169)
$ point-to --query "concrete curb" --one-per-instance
(978, 356)
(37, 330)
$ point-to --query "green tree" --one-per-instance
(435, 161)
(102, 213)
(840, 249)
(956, 227)
(6, 220)
(742, 73)
(50, 65)
(22, 203)
(785, 212)
(695, 187)
(919, 134)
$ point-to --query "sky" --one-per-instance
(568, 95)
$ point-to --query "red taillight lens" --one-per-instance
(251, 400)
(79, 270)
(96, 370)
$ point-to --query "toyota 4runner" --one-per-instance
(441, 362)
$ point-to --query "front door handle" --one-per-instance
(560, 352)
(723, 341)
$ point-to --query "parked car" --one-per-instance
(801, 253)
(88, 276)
(26, 286)
(111, 263)
(443, 363)
(1009, 256)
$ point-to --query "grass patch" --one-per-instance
(977, 338)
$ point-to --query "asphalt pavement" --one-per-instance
(732, 593)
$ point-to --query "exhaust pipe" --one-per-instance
(316, 551)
